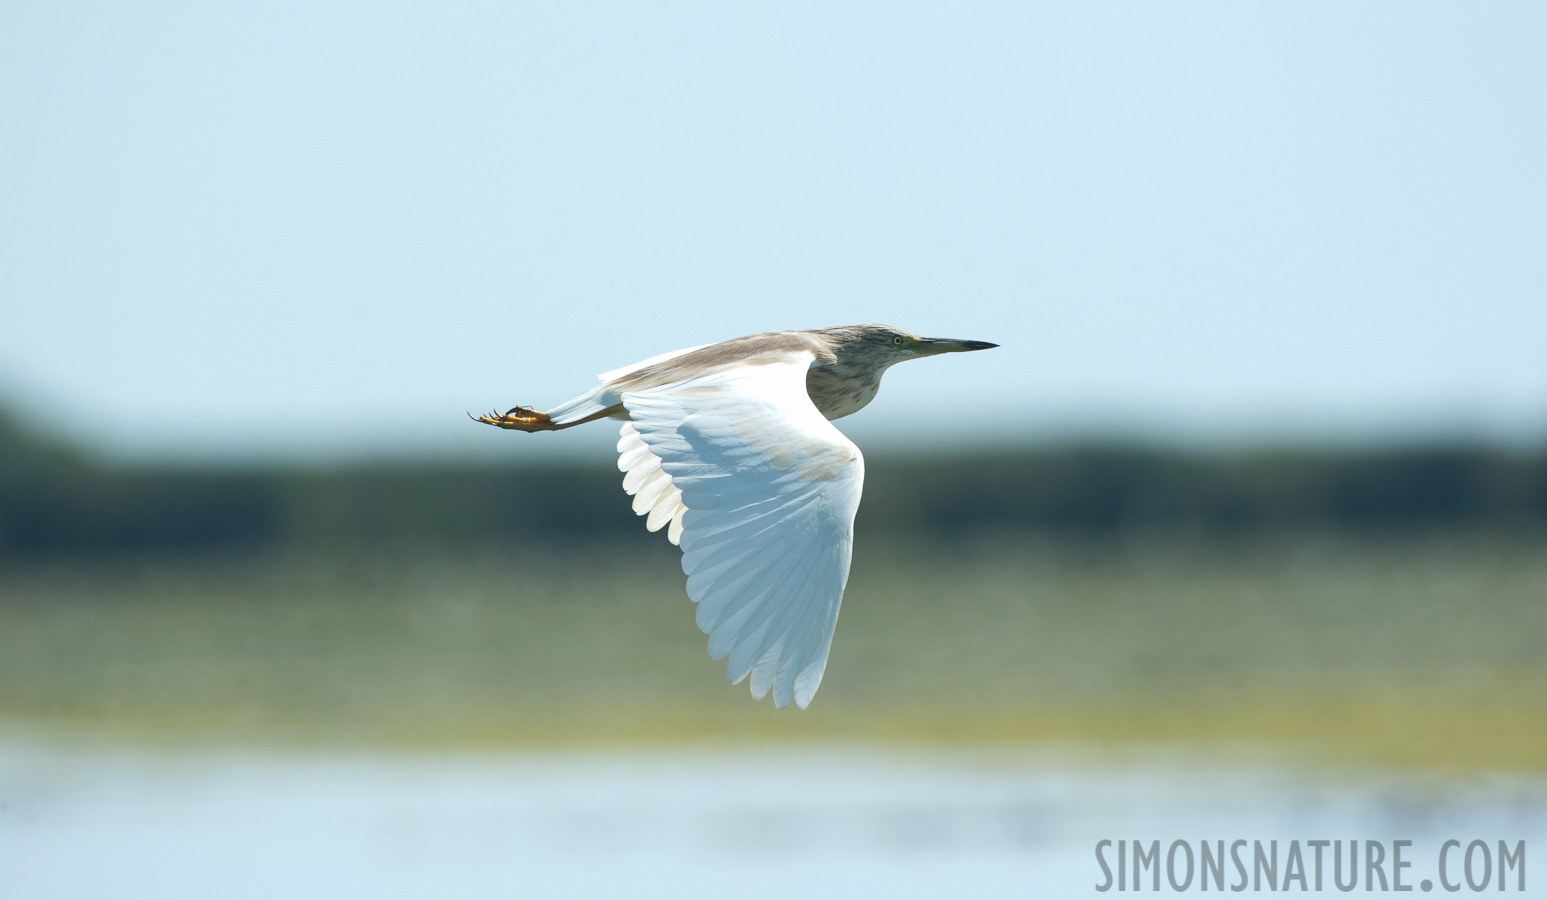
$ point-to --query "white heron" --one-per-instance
(729, 447)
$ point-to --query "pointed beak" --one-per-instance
(932, 346)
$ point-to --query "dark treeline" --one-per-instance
(56, 504)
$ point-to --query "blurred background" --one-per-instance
(1241, 533)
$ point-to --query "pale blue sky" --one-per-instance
(332, 228)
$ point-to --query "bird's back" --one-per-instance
(835, 389)
(749, 350)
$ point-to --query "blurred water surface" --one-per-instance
(703, 821)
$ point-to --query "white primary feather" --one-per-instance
(654, 495)
(763, 495)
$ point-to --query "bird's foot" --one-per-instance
(518, 418)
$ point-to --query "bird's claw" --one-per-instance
(517, 418)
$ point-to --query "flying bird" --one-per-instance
(730, 448)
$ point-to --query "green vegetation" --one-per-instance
(56, 505)
(1428, 652)
(1389, 607)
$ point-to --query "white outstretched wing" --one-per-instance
(769, 489)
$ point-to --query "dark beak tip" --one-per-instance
(951, 345)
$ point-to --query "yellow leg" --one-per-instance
(524, 418)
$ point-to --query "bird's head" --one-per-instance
(881, 346)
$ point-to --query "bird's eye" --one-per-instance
(897, 341)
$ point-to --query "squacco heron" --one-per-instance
(729, 447)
